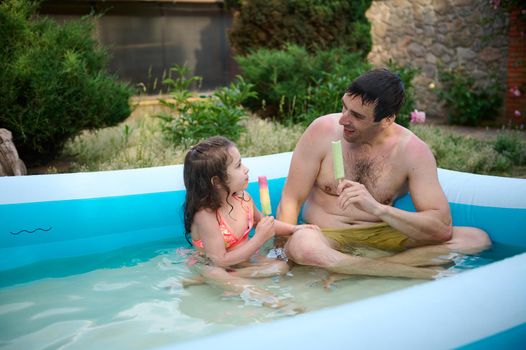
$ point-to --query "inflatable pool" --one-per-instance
(70, 215)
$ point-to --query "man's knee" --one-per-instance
(308, 248)
(470, 239)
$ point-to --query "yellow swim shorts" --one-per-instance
(380, 236)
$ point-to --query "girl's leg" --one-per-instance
(219, 277)
(193, 281)
(262, 267)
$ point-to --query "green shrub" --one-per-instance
(513, 147)
(462, 153)
(467, 102)
(54, 81)
(294, 86)
(314, 24)
(407, 74)
(280, 78)
(325, 95)
(194, 120)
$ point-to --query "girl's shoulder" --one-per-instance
(204, 216)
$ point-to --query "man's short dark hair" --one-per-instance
(379, 87)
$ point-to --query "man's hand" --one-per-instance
(351, 192)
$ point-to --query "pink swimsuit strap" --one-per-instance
(228, 235)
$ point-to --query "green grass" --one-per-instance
(139, 143)
(469, 154)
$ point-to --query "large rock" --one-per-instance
(10, 164)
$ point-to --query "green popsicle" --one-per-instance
(337, 160)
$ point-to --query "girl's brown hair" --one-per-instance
(205, 169)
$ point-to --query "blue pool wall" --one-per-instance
(67, 215)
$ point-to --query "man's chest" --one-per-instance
(382, 175)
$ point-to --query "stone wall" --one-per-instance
(429, 33)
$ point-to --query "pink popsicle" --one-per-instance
(264, 195)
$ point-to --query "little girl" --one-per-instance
(218, 217)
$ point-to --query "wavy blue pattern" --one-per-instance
(33, 231)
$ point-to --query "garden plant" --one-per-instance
(54, 81)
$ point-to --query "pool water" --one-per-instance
(132, 299)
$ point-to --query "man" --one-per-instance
(382, 161)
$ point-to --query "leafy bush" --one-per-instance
(407, 74)
(194, 120)
(293, 85)
(513, 147)
(325, 95)
(314, 24)
(54, 82)
(462, 153)
(467, 102)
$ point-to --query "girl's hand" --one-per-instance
(306, 227)
(265, 228)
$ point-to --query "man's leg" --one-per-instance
(464, 240)
(311, 247)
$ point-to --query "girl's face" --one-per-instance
(237, 172)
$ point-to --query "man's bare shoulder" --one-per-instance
(321, 130)
(414, 149)
(327, 124)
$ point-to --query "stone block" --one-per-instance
(490, 54)
(431, 58)
(379, 29)
(438, 49)
(416, 50)
(441, 28)
(10, 163)
(422, 2)
(465, 55)
(430, 70)
(429, 31)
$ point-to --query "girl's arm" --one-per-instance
(282, 228)
(285, 229)
(206, 224)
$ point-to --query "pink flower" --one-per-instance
(514, 91)
(418, 117)
(494, 3)
(517, 113)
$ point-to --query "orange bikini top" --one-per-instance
(228, 235)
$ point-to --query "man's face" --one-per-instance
(357, 120)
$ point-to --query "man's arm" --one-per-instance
(432, 221)
(304, 167)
